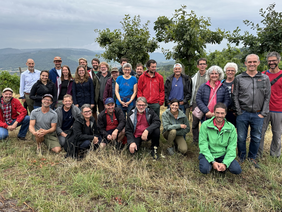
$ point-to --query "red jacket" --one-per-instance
(18, 112)
(152, 88)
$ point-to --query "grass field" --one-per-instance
(110, 180)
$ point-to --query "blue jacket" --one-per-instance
(53, 75)
(83, 93)
(203, 95)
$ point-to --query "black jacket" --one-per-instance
(187, 85)
(152, 119)
(38, 90)
(102, 121)
(78, 135)
(83, 93)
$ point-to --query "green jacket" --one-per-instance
(214, 144)
(170, 123)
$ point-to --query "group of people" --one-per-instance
(64, 110)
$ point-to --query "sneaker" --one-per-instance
(241, 161)
(253, 161)
(22, 138)
(170, 151)
(154, 153)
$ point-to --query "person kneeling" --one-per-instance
(176, 126)
(217, 143)
(143, 124)
(43, 122)
(111, 122)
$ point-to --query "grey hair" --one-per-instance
(85, 106)
(251, 55)
(143, 99)
(177, 64)
(127, 65)
(231, 65)
(274, 54)
(215, 68)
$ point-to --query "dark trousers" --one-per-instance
(101, 106)
(195, 126)
(205, 166)
(154, 137)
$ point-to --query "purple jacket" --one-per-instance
(109, 89)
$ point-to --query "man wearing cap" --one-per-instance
(27, 80)
(110, 85)
(43, 122)
(178, 86)
(111, 123)
(12, 115)
(56, 72)
(66, 116)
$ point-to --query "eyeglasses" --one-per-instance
(230, 70)
(202, 64)
(271, 61)
(141, 105)
(88, 111)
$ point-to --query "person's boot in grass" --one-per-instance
(255, 163)
(154, 153)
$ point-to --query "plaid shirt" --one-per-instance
(7, 111)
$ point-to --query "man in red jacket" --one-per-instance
(151, 86)
(12, 115)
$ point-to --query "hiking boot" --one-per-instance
(22, 139)
(241, 161)
(253, 161)
(154, 153)
(170, 151)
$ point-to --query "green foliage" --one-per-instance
(8, 80)
(134, 42)
(165, 71)
(268, 35)
(190, 33)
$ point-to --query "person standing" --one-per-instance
(151, 86)
(56, 72)
(64, 85)
(251, 98)
(275, 106)
(198, 79)
(139, 70)
(178, 86)
(110, 85)
(27, 80)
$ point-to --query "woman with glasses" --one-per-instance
(83, 88)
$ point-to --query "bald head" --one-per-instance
(30, 65)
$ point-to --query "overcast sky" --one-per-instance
(71, 23)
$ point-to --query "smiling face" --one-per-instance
(103, 69)
(153, 67)
(86, 112)
(139, 70)
(82, 62)
(46, 102)
(272, 62)
(67, 102)
(81, 72)
(95, 64)
(177, 70)
(65, 72)
(30, 65)
(252, 63)
(230, 73)
(7, 96)
(174, 107)
(220, 114)
(44, 77)
(202, 65)
(115, 74)
(58, 64)
(110, 108)
(214, 76)
(141, 106)
(126, 71)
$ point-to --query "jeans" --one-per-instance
(22, 133)
(243, 121)
(124, 110)
(205, 166)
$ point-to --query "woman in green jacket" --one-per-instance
(176, 126)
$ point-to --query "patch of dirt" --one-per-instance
(10, 205)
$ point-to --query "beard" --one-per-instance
(7, 99)
(274, 64)
(141, 110)
(95, 67)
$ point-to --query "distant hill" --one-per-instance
(11, 59)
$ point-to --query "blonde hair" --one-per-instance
(77, 78)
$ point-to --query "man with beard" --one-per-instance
(103, 77)
(151, 86)
(111, 123)
(56, 72)
(275, 106)
(139, 70)
(66, 116)
(12, 115)
(43, 122)
(92, 73)
(95, 64)
(217, 143)
(27, 80)
(142, 124)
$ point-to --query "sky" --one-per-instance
(26, 24)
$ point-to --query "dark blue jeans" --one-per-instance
(243, 121)
(22, 133)
(205, 166)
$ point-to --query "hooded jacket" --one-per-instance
(152, 119)
(170, 123)
(214, 144)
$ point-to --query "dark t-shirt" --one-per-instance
(88, 130)
(64, 88)
(68, 119)
(229, 86)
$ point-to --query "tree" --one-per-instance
(190, 33)
(134, 42)
(8, 80)
(268, 36)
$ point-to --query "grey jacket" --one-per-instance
(74, 110)
(252, 94)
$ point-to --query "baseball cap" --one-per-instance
(109, 100)
(114, 69)
(7, 89)
(48, 95)
(57, 58)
